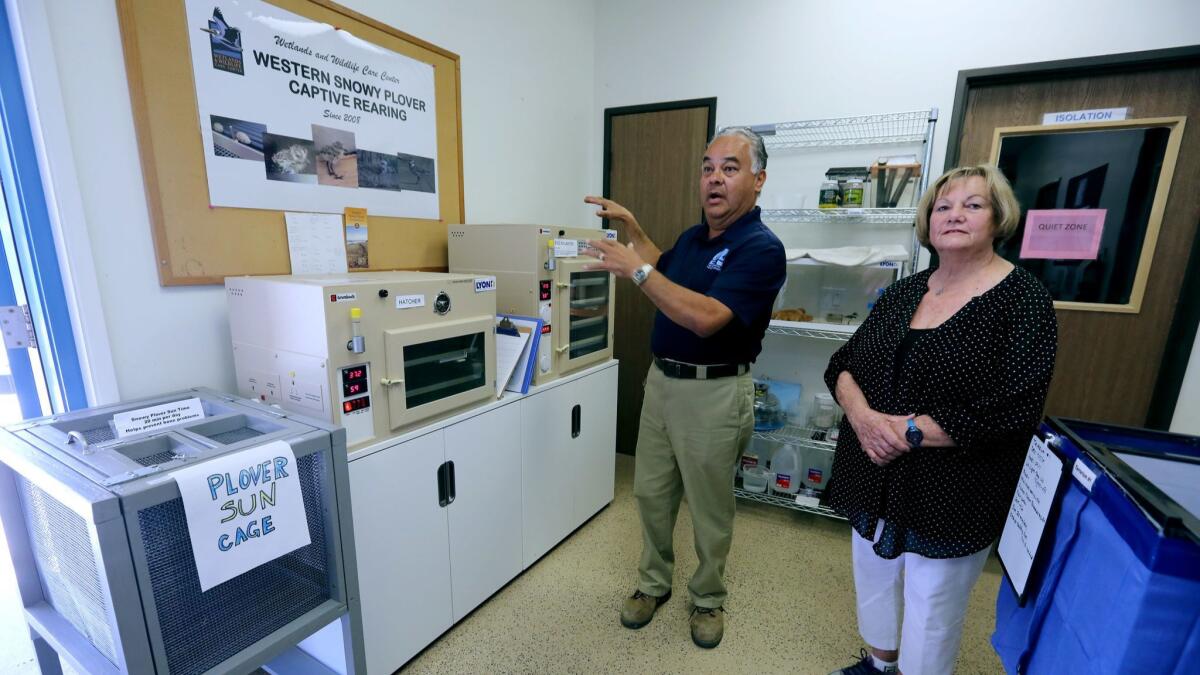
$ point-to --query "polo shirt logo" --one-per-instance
(718, 261)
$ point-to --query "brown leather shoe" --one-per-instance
(708, 626)
(638, 609)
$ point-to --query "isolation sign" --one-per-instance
(243, 509)
(298, 115)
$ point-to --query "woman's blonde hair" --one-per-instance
(1006, 211)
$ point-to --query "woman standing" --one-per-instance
(943, 385)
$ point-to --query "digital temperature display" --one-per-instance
(356, 404)
(354, 381)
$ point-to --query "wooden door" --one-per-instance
(653, 167)
(1108, 363)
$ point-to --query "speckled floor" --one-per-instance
(790, 608)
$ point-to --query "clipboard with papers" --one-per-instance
(517, 339)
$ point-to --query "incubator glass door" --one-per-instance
(431, 370)
(583, 315)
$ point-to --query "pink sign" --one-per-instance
(1063, 234)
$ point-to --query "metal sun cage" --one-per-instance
(99, 540)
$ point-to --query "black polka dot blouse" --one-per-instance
(983, 376)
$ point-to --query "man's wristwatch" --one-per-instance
(641, 273)
(914, 435)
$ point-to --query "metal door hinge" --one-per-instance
(17, 325)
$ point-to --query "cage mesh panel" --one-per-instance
(157, 458)
(200, 630)
(98, 435)
(234, 436)
(62, 546)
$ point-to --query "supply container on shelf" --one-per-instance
(755, 479)
(772, 400)
(785, 465)
(757, 454)
(816, 466)
(824, 411)
(768, 413)
(833, 294)
(895, 185)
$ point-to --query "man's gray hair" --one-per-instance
(758, 149)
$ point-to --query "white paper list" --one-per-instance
(1030, 508)
(315, 243)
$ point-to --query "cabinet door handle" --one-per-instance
(576, 420)
(451, 482)
(443, 481)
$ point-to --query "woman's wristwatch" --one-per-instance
(914, 435)
(640, 274)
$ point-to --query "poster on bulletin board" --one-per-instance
(298, 115)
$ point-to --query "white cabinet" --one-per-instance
(485, 516)
(569, 458)
(595, 457)
(402, 544)
(546, 471)
(446, 515)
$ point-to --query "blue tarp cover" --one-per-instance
(1111, 596)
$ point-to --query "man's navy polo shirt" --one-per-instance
(743, 268)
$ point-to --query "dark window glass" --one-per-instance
(442, 368)
(1112, 169)
(588, 313)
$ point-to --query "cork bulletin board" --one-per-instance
(196, 243)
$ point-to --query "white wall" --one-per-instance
(779, 60)
(527, 105)
(1187, 419)
(536, 76)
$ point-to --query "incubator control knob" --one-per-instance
(383, 292)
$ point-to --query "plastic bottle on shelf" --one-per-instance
(785, 464)
(754, 479)
(817, 464)
(797, 414)
(823, 411)
(757, 454)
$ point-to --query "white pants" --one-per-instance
(933, 595)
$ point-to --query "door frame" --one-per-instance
(32, 253)
(709, 105)
(610, 113)
(1182, 333)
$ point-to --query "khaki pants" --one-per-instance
(691, 436)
